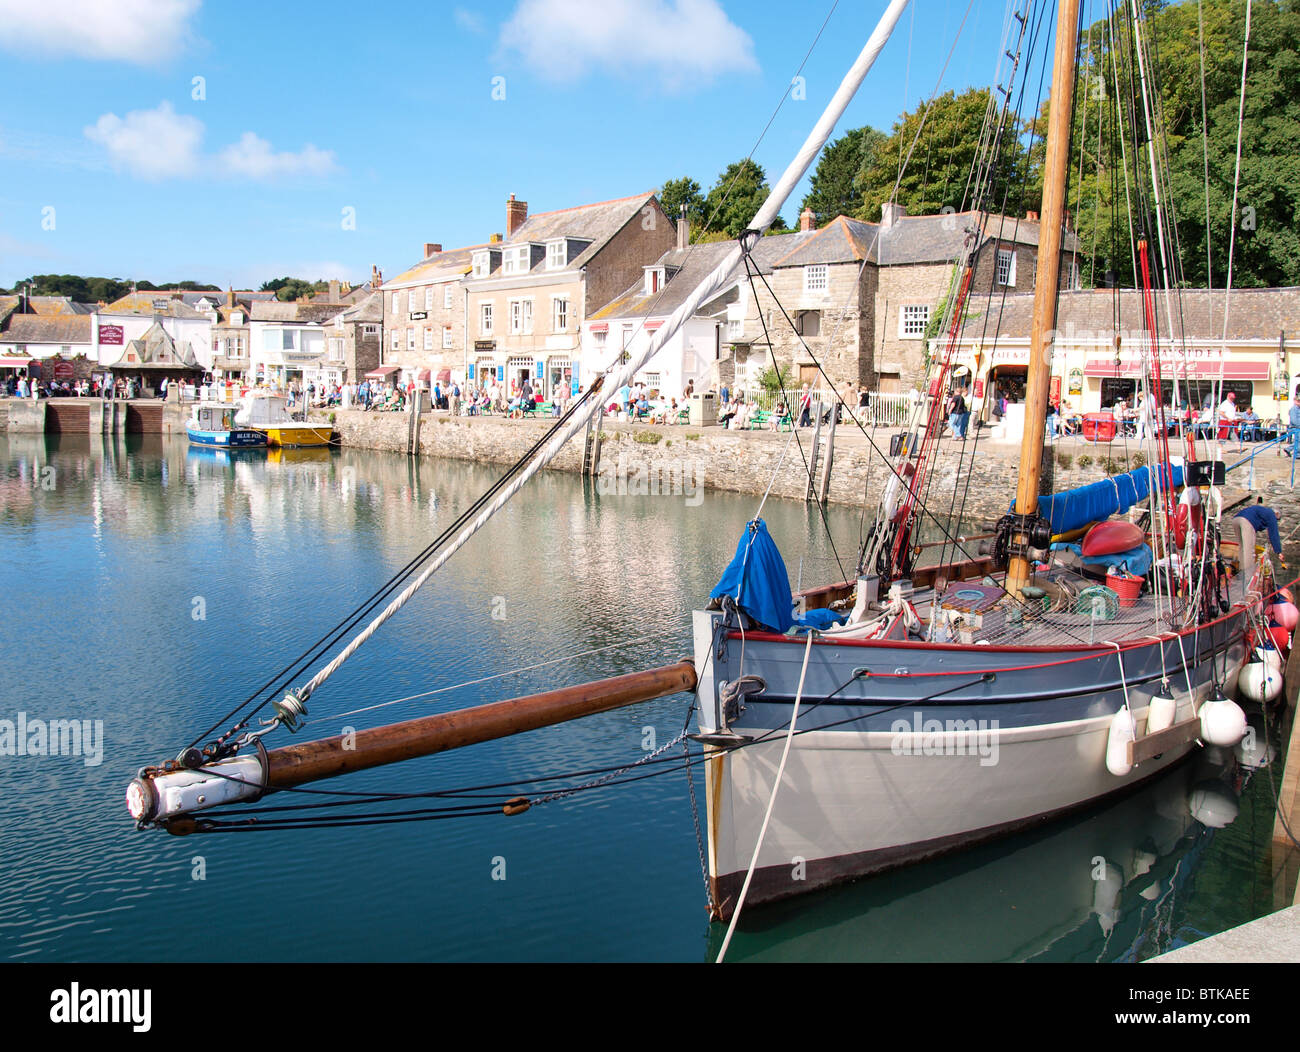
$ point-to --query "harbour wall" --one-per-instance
(718, 458)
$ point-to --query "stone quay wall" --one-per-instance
(720, 459)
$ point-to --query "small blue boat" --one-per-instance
(214, 425)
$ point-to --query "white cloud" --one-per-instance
(153, 144)
(145, 32)
(253, 157)
(681, 41)
(163, 144)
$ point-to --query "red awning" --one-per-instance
(650, 326)
(1196, 370)
(444, 376)
(599, 326)
(422, 377)
(18, 363)
(383, 372)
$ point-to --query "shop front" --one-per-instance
(1189, 380)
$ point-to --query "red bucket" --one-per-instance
(1127, 588)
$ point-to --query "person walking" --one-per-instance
(957, 414)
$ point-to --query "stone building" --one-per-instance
(424, 318)
(529, 293)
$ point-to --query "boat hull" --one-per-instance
(299, 436)
(931, 749)
(235, 438)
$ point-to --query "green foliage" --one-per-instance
(1137, 460)
(736, 198)
(772, 383)
(834, 190)
(93, 290)
(691, 436)
(1085, 461)
(288, 289)
(1112, 466)
(937, 174)
(684, 191)
(1064, 460)
(648, 438)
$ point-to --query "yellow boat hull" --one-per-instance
(299, 436)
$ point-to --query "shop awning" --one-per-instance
(1196, 370)
(382, 373)
(598, 326)
(444, 376)
(422, 377)
(17, 363)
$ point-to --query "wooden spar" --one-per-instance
(1048, 276)
(311, 761)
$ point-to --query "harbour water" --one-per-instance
(153, 587)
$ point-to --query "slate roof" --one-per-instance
(307, 313)
(47, 328)
(596, 223)
(695, 263)
(441, 266)
(370, 309)
(49, 305)
(157, 350)
(142, 303)
(1261, 314)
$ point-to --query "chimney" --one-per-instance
(430, 249)
(334, 291)
(683, 228)
(890, 213)
(495, 239)
(376, 278)
(230, 296)
(516, 213)
(807, 220)
(1031, 217)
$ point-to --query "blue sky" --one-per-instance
(118, 162)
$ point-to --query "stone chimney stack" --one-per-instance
(495, 239)
(807, 220)
(683, 228)
(334, 291)
(516, 214)
(376, 276)
(430, 249)
(230, 296)
(890, 213)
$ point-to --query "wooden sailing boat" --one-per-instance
(887, 742)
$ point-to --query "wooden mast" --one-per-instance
(1048, 276)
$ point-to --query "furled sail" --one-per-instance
(1075, 508)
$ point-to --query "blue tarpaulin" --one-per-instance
(1098, 500)
(1135, 560)
(757, 579)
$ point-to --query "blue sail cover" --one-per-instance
(1099, 500)
(757, 579)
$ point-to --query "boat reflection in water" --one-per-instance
(1108, 885)
(299, 455)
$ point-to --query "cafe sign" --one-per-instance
(111, 335)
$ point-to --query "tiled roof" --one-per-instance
(51, 328)
(370, 309)
(49, 305)
(312, 313)
(143, 303)
(441, 266)
(596, 223)
(695, 263)
(1261, 314)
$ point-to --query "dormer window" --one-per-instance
(515, 260)
(654, 280)
(556, 255)
(482, 264)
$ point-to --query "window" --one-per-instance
(286, 339)
(912, 321)
(397, 303)
(446, 337)
(482, 264)
(410, 339)
(446, 297)
(336, 348)
(654, 280)
(428, 297)
(1006, 267)
(627, 334)
(485, 319)
(814, 278)
(652, 381)
(735, 328)
(601, 339)
(370, 330)
(515, 260)
(428, 339)
(555, 255)
(560, 314)
(521, 317)
(394, 341)
(810, 323)
(410, 302)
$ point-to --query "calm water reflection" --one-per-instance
(152, 587)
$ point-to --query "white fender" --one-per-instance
(1212, 804)
(1259, 681)
(1160, 713)
(1123, 730)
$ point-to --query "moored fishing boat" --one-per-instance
(214, 426)
(269, 413)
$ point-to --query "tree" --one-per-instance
(834, 189)
(736, 198)
(937, 174)
(684, 191)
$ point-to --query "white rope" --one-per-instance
(776, 785)
(794, 427)
(705, 291)
(1236, 175)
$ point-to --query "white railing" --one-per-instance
(886, 410)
